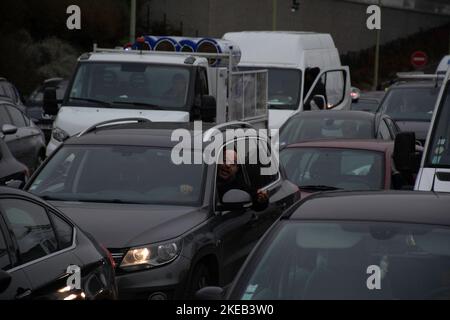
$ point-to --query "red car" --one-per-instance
(341, 165)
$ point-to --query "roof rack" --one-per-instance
(228, 125)
(418, 76)
(112, 123)
(152, 52)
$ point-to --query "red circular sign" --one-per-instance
(419, 59)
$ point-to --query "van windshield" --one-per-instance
(439, 150)
(130, 85)
(284, 87)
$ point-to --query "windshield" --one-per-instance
(299, 129)
(413, 104)
(284, 87)
(349, 260)
(118, 174)
(132, 85)
(346, 169)
(439, 150)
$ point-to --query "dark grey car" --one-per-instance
(28, 143)
(164, 223)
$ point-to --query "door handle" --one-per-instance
(23, 293)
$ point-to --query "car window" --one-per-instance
(131, 174)
(64, 231)
(337, 261)
(231, 174)
(17, 117)
(334, 168)
(31, 228)
(5, 262)
(299, 129)
(383, 131)
(4, 116)
(261, 167)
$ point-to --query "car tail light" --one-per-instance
(110, 257)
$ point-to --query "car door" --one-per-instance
(19, 282)
(21, 144)
(44, 243)
(334, 86)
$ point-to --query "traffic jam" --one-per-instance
(255, 165)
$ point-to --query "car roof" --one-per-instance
(150, 134)
(372, 144)
(337, 114)
(415, 84)
(383, 206)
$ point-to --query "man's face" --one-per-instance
(229, 168)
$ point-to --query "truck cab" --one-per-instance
(304, 70)
(112, 84)
(434, 173)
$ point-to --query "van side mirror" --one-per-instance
(208, 108)
(50, 101)
(319, 102)
(8, 129)
(406, 159)
(210, 294)
(5, 280)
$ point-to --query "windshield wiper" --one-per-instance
(104, 103)
(319, 188)
(140, 104)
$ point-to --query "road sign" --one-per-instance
(419, 59)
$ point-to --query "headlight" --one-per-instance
(60, 135)
(151, 256)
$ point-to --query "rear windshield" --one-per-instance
(413, 104)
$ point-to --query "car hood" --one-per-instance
(123, 225)
(75, 119)
(419, 127)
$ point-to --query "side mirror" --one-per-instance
(50, 101)
(236, 200)
(210, 294)
(406, 159)
(8, 129)
(208, 108)
(319, 102)
(5, 280)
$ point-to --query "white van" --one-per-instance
(434, 173)
(304, 68)
(443, 65)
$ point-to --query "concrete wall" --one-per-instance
(346, 21)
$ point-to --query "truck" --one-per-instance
(161, 85)
(434, 171)
(304, 70)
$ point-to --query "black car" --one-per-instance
(351, 245)
(9, 92)
(336, 124)
(172, 228)
(12, 172)
(35, 104)
(44, 256)
(411, 105)
(28, 143)
(368, 101)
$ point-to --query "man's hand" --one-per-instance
(262, 196)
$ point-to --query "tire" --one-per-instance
(201, 277)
